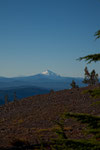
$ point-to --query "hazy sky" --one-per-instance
(36, 35)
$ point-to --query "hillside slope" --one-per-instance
(34, 116)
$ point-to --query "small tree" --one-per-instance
(90, 78)
(15, 97)
(73, 84)
(6, 99)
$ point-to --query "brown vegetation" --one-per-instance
(35, 116)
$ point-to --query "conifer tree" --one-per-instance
(90, 78)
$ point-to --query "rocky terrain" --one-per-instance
(34, 117)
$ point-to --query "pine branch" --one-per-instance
(97, 34)
(90, 58)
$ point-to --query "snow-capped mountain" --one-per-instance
(46, 79)
(35, 84)
(50, 74)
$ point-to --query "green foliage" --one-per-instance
(95, 93)
(75, 145)
(97, 34)
(64, 143)
(95, 132)
(96, 103)
(93, 122)
(90, 58)
(61, 131)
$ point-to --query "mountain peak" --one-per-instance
(49, 73)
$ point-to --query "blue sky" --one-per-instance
(36, 35)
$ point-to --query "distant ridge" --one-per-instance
(47, 79)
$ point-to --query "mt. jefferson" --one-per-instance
(46, 79)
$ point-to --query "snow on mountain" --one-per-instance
(50, 73)
(46, 79)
